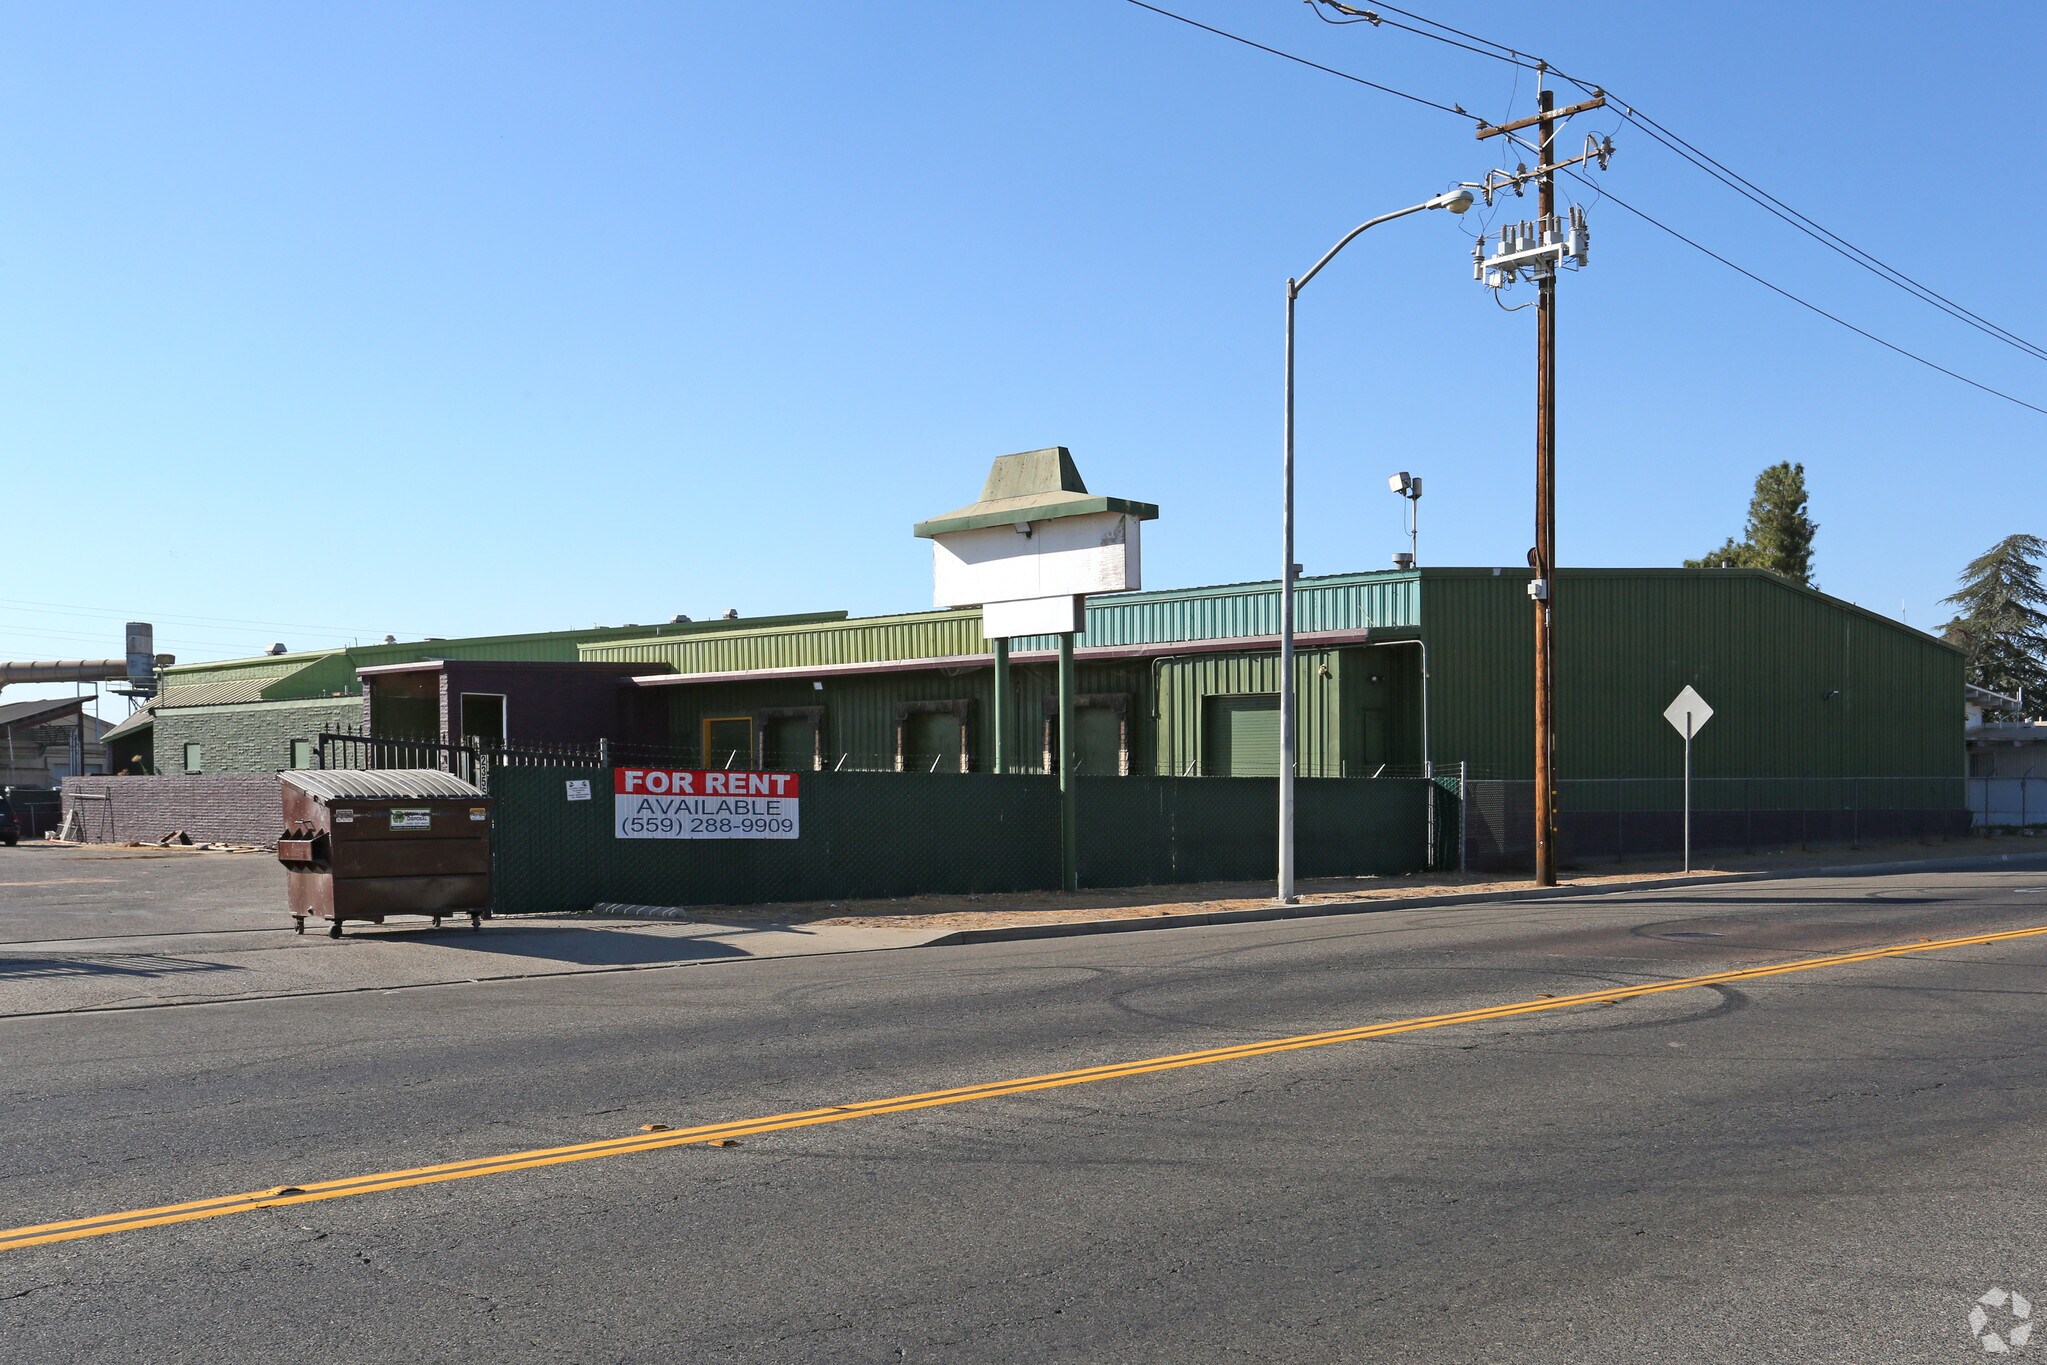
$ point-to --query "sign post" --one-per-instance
(1028, 554)
(1688, 714)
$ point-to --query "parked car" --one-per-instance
(10, 830)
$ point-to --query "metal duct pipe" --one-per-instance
(64, 670)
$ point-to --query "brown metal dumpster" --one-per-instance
(403, 841)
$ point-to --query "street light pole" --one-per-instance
(1457, 201)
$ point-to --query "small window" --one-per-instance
(194, 759)
(302, 753)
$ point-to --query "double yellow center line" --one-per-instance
(287, 1195)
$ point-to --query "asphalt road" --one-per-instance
(1826, 1165)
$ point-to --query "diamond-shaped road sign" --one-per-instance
(1688, 703)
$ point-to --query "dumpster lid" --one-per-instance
(381, 784)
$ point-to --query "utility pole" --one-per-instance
(1545, 517)
(1539, 249)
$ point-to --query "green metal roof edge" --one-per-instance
(1038, 507)
(839, 621)
(597, 634)
(289, 665)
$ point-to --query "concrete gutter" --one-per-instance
(1980, 863)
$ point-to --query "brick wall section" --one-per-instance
(225, 808)
(254, 737)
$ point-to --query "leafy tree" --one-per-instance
(1779, 533)
(2002, 624)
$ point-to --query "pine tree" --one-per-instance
(2002, 624)
(1779, 533)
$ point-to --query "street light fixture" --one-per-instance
(1456, 201)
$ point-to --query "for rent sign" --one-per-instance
(688, 803)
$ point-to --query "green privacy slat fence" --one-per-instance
(889, 834)
(1150, 831)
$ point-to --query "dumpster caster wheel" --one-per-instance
(334, 929)
(298, 925)
(437, 921)
(476, 921)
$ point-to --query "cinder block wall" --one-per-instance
(250, 738)
(224, 808)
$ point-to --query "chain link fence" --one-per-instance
(2008, 803)
(870, 835)
(1612, 819)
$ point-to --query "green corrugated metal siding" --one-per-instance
(1241, 735)
(263, 673)
(1764, 653)
(873, 639)
(859, 719)
(1378, 601)
(332, 672)
(1185, 683)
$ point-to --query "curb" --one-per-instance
(1264, 914)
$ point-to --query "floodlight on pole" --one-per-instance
(1456, 201)
(1409, 487)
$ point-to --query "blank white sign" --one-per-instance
(1067, 557)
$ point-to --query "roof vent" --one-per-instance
(390, 639)
(277, 649)
(732, 613)
(678, 620)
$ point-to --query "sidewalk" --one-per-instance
(971, 918)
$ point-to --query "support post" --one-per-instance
(1002, 723)
(1069, 752)
(1688, 791)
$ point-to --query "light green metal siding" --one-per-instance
(1388, 601)
(1801, 684)
(326, 673)
(872, 639)
(1378, 601)
(263, 673)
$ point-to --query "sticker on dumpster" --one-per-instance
(579, 789)
(411, 817)
(480, 814)
(671, 803)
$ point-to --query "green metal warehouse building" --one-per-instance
(1395, 670)
(1830, 722)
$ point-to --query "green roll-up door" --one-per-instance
(1242, 736)
(1100, 732)
(791, 743)
(931, 743)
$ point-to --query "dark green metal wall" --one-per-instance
(1801, 684)
(860, 712)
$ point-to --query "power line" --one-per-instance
(1303, 61)
(1733, 180)
(1600, 188)
(1803, 303)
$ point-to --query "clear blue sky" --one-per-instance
(323, 322)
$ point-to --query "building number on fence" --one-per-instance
(671, 803)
